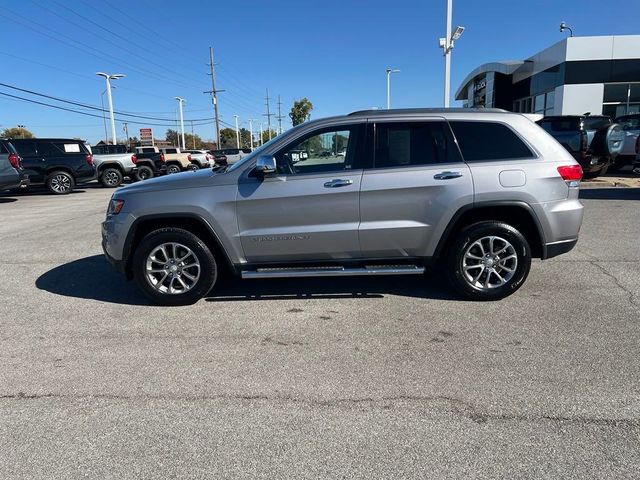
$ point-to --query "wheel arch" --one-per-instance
(520, 215)
(186, 221)
(103, 166)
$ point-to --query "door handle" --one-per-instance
(338, 182)
(447, 175)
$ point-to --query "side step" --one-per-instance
(333, 271)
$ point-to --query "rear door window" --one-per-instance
(596, 123)
(406, 144)
(486, 141)
(26, 149)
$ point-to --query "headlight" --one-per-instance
(115, 205)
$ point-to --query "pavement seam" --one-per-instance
(456, 406)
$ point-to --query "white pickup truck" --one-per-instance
(112, 163)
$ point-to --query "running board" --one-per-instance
(333, 271)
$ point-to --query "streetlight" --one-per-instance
(446, 44)
(180, 102)
(237, 133)
(389, 72)
(108, 79)
(251, 131)
(564, 26)
(22, 128)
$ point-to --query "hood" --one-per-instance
(199, 178)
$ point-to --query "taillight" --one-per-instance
(134, 159)
(14, 160)
(189, 156)
(162, 157)
(571, 174)
(89, 160)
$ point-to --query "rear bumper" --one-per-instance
(558, 248)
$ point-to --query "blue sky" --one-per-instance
(333, 52)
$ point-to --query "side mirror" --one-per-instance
(265, 165)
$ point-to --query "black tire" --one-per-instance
(173, 168)
(466, 241)
(193, 167)
(60, 182)
(592, 175)
(111, 177)
(620, 162)
(144, 172)
(208, 267)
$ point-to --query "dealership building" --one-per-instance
(600, 75)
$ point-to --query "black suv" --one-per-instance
(58, 163)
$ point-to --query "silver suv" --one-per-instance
(473, 195)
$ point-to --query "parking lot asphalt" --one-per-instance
(337, 378)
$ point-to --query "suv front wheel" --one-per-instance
(488, 261)
(174, 267)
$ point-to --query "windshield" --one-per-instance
(257, 151)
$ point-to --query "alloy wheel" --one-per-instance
(489, 262)
(111, 178)
(172, 268)
(60, 183)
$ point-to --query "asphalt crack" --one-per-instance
(631, 296)
(438, 404)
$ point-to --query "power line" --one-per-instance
(29, 100)
(93, 107)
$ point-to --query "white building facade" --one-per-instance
(600, 75)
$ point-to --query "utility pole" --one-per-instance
(180, 102)
(214, 95)
(251, 131)
(237, 133)
(268, 114)
(193, 137)
(279, 117)
(261, 134)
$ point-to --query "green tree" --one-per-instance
(227, 138)
(175, 138)
(265, 135)
(17, 132)
(300, 111)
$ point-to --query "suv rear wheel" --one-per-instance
(60, 182)
(488, 261)
(144, 172)
(173, 168)
(174, 267)
(111, 177)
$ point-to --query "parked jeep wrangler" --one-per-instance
(479, 193)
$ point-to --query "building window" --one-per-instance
(621, 99)
(538, 104)
(549, 102)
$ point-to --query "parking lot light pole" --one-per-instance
(389, 72)
(251, 131)
(108, 79)
(237, 133)
(446, 44)
(180, 102)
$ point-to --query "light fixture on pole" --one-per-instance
(180, 102)
(251, 132)
(108, 79)
(446, 44)
(389, 72)
(237, 133)
(564, 26)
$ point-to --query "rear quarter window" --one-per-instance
(485, 141)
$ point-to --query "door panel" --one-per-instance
(309, 209)
(295, 218)
(417, 184)
(403, 211)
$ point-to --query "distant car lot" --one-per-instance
(346, 377)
